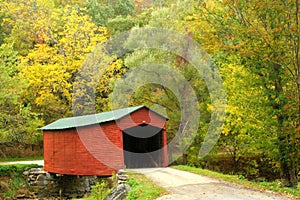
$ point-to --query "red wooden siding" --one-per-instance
(165, 148)
(142, 116)
(66, 152)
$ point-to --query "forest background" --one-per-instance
(254, 44)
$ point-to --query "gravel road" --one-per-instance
(189, 186)
(38, 162)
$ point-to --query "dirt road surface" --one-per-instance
(188, 186)
(38, 162)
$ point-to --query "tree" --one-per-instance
(101, 11)
(248, 129)
(9, 86)
(120, 24)
(153, 94)
(17, 121)
(50, 67)
(167, 79)
(266, 37)
(124, 8)
(23, 22)
(63, 3)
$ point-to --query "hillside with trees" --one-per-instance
(255, 46)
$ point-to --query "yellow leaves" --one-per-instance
(65, 39)
(44, 97)
(50, 81)
(42, 54)
(191, 18)
(209, 108)
(115, 68)
(246, 110)
(112, 72)
(79, 35)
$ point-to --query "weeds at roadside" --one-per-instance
(100, 190)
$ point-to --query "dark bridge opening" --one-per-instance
(142, 146)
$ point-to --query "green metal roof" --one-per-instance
(86, 120)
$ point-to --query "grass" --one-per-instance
(11, 179)
(142, 188)
(15, 170)
(21, 159)
(99, 191)
(273, 186)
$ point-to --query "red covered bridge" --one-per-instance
(103, 143)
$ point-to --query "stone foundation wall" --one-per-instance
(46, 185)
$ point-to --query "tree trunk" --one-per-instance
(184, 159)
(235, 157)
(288, 153)
(287, 143)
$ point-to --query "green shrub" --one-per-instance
(132, 182)
(16, 170)
(250, 166)
(133, 193)
(100, 190)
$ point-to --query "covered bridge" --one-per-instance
(103, 143)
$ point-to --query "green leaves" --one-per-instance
(265, 36)
(101, 13)
(17, 122)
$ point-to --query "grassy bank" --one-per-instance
(273, 186)
(12, 181)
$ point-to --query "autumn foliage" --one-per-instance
(254, 44)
